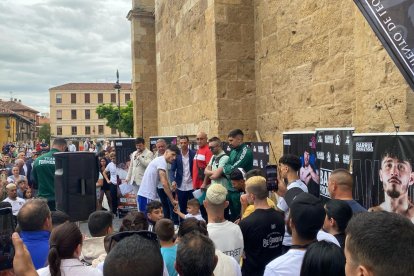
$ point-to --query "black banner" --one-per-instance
(333, 151)
(383, 172)
(393, 23)
(303, 144)
(260, 153)
(123, 149)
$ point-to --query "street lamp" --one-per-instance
(117, 86)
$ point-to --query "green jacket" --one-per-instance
(240, 157)
(44, 174)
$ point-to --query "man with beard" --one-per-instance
(309, 174)
(396, 175)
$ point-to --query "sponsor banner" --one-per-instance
(304, 146)
(383, 171)
(260, 151)
(392, 21)
(333, 151)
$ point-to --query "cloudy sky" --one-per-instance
(46, 43)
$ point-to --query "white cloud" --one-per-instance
(46, 43)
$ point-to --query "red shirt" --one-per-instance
(201, 159)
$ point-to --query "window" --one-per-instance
(127, 97)
(59, 130)
(100, 129)
(73, 98)
(87, 98)
(113, 130)
(73, 114)
(58, 98)
(87, 130)
(74, 130)
(59, 114)
(100, 98)
(87, 114)
(113, 98)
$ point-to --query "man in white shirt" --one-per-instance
(71, 146)
(226, 235)
(140, 160)
(306, 218)
(289, 166)
(157, 172)
(16, 202)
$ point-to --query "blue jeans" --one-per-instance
(167, 207)
(183, 197)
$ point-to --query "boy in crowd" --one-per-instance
(154, 214)
(193, 210)
(165, 232)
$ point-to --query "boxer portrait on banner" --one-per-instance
(309, 174)
(396, 174)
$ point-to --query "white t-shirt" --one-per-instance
(198, 216)
(72, 267)
(282, 205)
(187, 184)
(227, 237)
(111, 168)
(151, 178)
(288, 264)
(16, 204)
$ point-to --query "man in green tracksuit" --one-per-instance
(44, 172)
(241, 156)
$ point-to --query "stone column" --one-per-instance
(144, 76)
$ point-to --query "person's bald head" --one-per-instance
(201, 139)
(340, 182)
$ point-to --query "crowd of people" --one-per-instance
(203, 212)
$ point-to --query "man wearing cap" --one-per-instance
(44, 172)
(214, 172)
(305, 219)
(263, 230)
(226, 235)
(289, 166)
(16, 202)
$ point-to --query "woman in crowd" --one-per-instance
(134, 221)
(15, 175)
(105, 188)
(65, 248)
(323, 258)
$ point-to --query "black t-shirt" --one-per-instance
(263, 233)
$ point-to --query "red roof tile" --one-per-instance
(16, 106)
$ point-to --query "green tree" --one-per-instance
(124, 123)
(44, 132)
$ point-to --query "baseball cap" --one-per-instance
(237, 174)
(216, 194)
(291, 195)
(307, 213)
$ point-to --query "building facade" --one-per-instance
(18, 122)
(73, 109)
(271, 66)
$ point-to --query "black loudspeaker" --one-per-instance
(75, 183)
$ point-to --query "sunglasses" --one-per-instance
(143, 233)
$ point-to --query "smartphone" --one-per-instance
(6, 231)
(271, 177)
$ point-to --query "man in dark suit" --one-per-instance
(181, 174)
